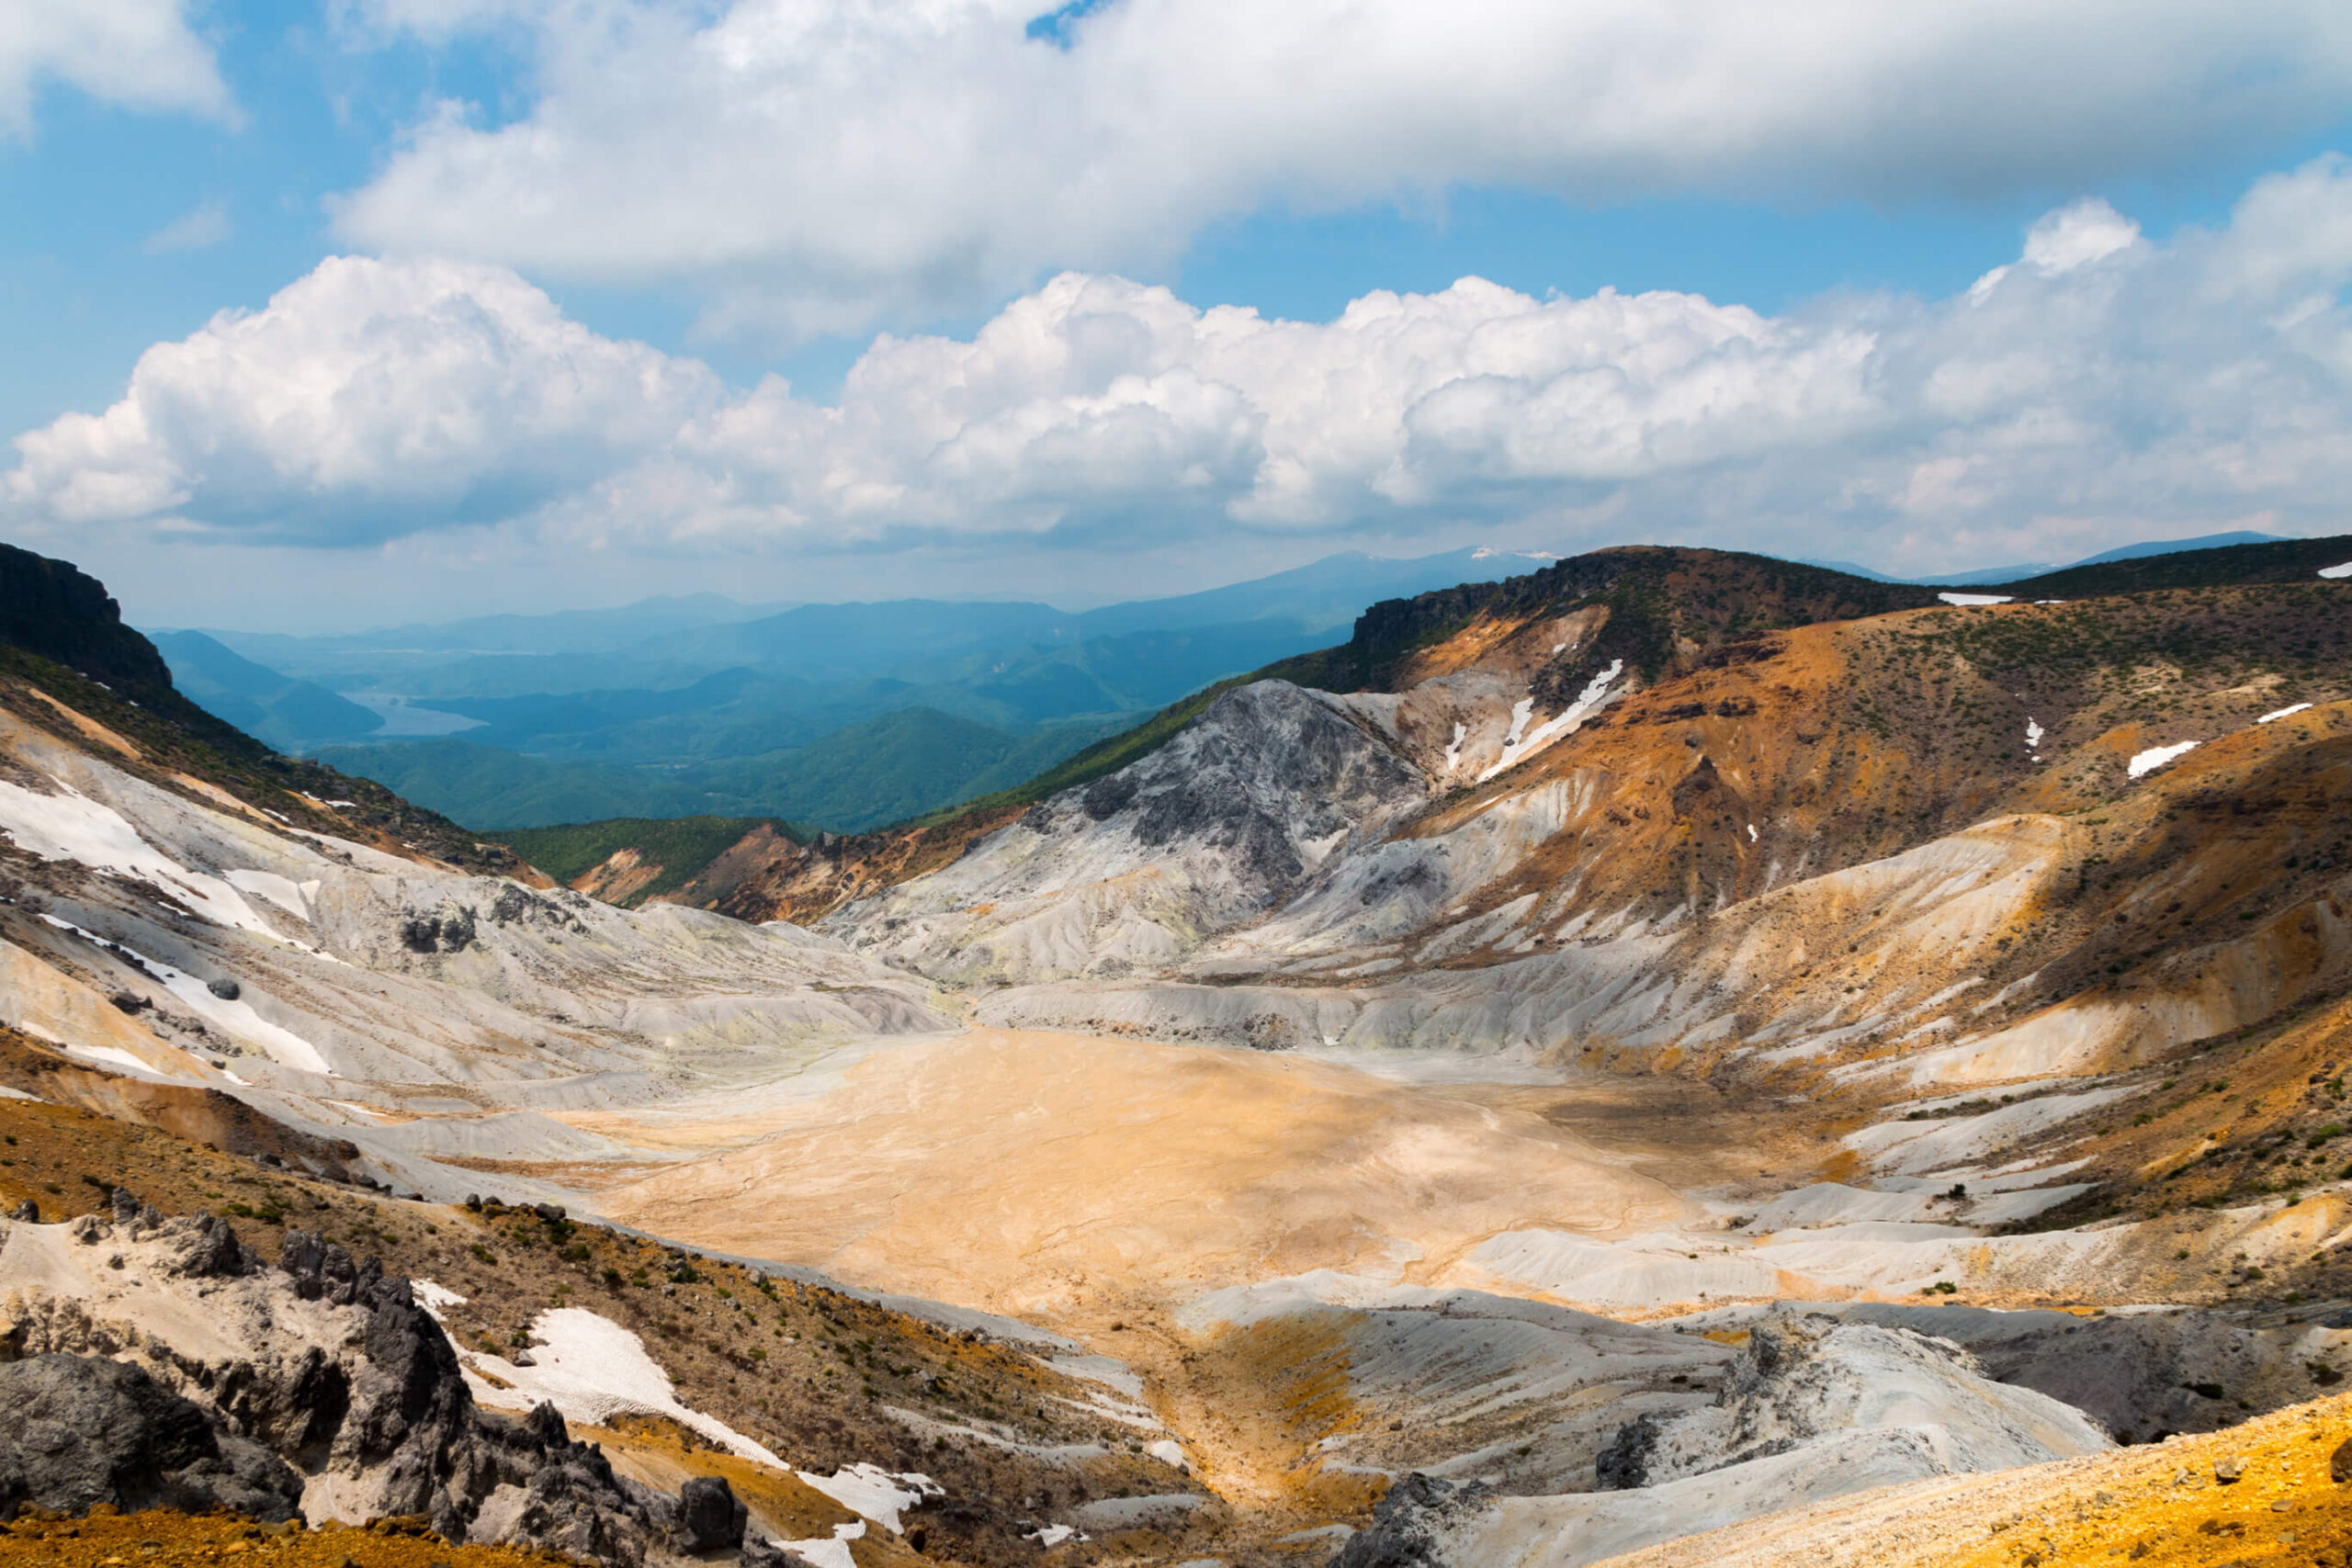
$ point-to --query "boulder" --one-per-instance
(709, 1516)
(1410, 1526)
(83, 1430)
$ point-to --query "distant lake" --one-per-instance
(403, 721)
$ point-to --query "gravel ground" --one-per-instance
(159, 1536)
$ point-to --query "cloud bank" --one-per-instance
(139, 53)
(827, 164)
(2101, 387)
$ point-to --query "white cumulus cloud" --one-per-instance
(2100, 387)
(368, 399)
(136, 53)
(825, 164)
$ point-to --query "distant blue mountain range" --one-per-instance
(1992, 574)
(834, 715)
(839, 716)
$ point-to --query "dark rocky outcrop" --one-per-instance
(709, 1516)
(1659, 598)
(2144, 1377)
(450, 929)
(54, 609)
(1266, 770)
(411, 1425)
(209, 1249)
(319, 1269)
(83, 1430)
(379, 1405)
(1408, 1527)
(1625, 1462)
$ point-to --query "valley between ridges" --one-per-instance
(1627, 957)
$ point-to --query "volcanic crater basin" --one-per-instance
(1066, 1177)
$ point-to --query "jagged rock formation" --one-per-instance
(83, 1430)
(161, 1362)
(2143, 1376)
(1411, 1523)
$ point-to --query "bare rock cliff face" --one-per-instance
(84, 1430)
(1135, 869)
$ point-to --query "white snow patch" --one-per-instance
(2155, 757)
(113, 1056)
(591, 1370)
(1453, 752)
(289, 895)
(834, 1553)
(1052, 1535)
(68, 825)
(1517, 748)
(433, 1297)
(2282, 712)
(2033, 734)
(2344, 570)
(1969, 600)
(1751, 832)
(875, 1493)
(1167, 1452)
(283, 1045)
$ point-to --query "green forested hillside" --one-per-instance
(685, 843)
(889, 769)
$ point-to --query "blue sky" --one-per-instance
(476, 135)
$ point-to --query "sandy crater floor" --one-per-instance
(1060, 1176)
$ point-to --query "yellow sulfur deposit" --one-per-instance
(2158, 1506)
